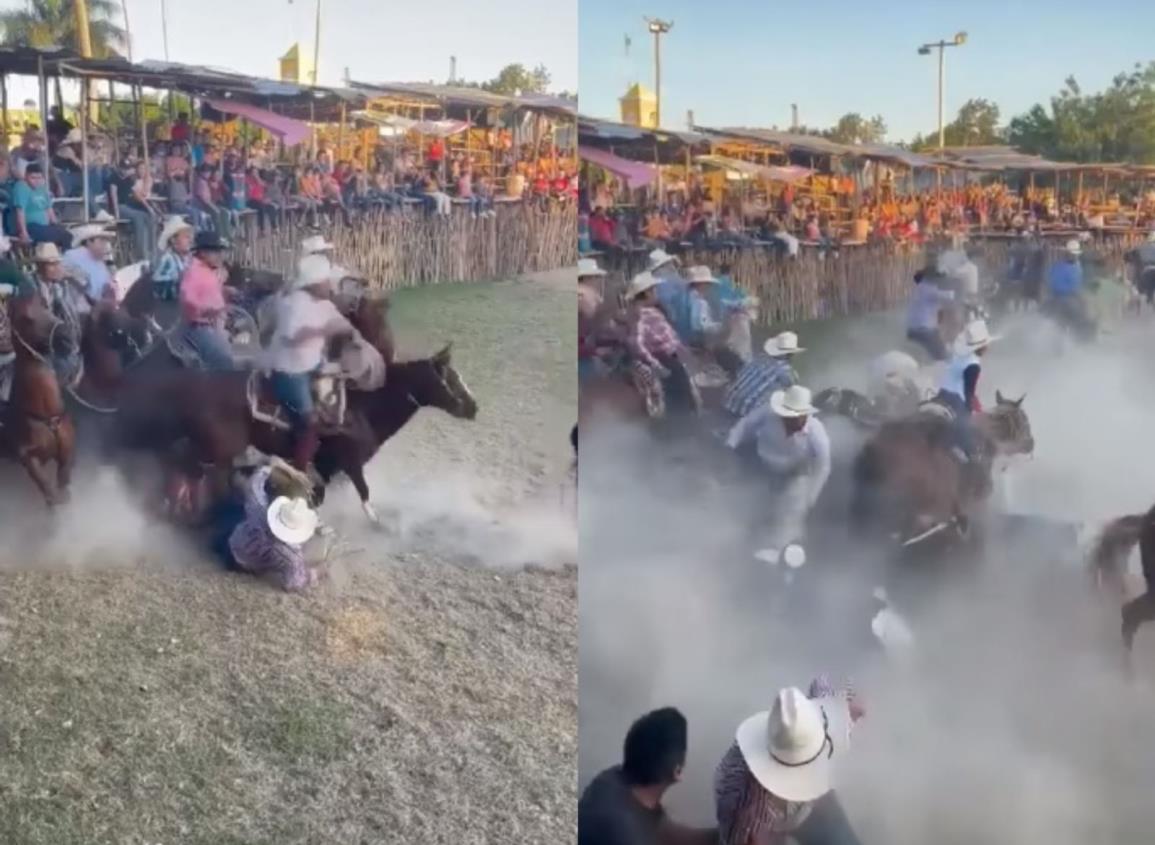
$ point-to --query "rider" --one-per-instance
(922, 313)
(306, 319)
(202, 302)
(1145, 261)
(764, 374)
(316, 245)
(175, 246)
(1065, 282)
(793, 446)
(656, 349)
(589, 303)
(87, 262)
(958, 389)
(703, 327)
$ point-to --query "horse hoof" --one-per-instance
(371, 514)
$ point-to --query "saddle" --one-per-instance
(329, 398)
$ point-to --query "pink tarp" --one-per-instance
(635, 173)
(292, 132)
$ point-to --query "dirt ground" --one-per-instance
(425, 692)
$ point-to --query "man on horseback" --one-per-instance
(922, 313)
(87, 262)
(1065, 283)
(793, 447)
(202, 303)
(56, 292)
(316, 245)
(176, 240)
(767, 373)
(958, 390)
(659, 374)
(306, 320)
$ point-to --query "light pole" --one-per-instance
(959, 39)
(658, 28)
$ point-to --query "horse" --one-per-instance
(1108, 558)
(37, 430)
(908, 466)
(203, 419)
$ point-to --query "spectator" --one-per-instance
(181, 130)
(268, 214)
(31, 149)
(34, 221)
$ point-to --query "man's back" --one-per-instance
(608, 813)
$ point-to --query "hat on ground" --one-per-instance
(658, 258)
(1074, 247)
(641, 283)
(314, 244)
(977, 335)
(291, 520)
(172, 226)
(210, 242)
(46, 253)
(789, 748)
(792, 402)
(700, 275)
(90, 231)
(784, 344)
(589, 267)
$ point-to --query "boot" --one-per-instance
(308, 439)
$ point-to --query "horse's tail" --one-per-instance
(1114, 543)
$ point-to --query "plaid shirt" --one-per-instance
(745, 810)
(756, 381)
(653, 338)
(169, 269)
(256, 550)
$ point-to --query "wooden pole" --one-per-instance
(341, 134)
(84, 156)
(4, 107)
(43, 82)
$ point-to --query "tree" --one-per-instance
(853, 128)
(515, 78)
(52, 23)
(977, 124)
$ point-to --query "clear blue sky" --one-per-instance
(377, 40)
(740, 62)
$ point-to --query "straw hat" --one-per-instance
(789, 748)
(784, 344)
(90, 231)
(700, 275)
(977, 335)
(291, 520)
(315, 244)
(46, 253)
(313, 270)
(793, 402)
(1074, 247)
(172, 226)
(589, 267)
(658, 258)
(641, 283)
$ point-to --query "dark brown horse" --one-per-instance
(37, 430)
(907, 469)
(1108, 560)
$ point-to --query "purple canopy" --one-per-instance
(635, 173)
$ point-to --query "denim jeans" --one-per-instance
(143, 231)
(295, 393)
(212, 345)
(963, 431)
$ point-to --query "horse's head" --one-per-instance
(433, 383)
(35, 327)
(109, 327)
(140, 299)
(1009, 427)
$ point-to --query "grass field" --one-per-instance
(414, 696)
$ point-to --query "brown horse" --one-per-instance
(37, 430)
(1109, 556)
(909, 470)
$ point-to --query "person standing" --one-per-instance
(202, 303)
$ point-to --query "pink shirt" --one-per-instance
(202, 295)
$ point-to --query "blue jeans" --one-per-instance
(143, 230)
(963, 431)
(295, 393)
(212, 345)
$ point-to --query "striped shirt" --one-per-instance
(755, 382)
(256, 550)
(653, 338)
(169, 269)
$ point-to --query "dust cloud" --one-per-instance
(1013, 722)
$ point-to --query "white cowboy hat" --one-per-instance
(313, 270)
(659, 257)
(700, 275)
(90, 231)
(291, 521)
(589, 267)
(788, 748)
(172, 226)
(785, 343)
(1074, 247)
(314, 244)
(792, 402)
(977, 335)
(46, 253)
(641, 283)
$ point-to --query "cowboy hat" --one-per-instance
(589, 267)
(785, 343)
(46, 253)
(90, 231)
(210, 242)
(1073, 247)
(700, 275)
(793, 402)
(291, 520)
(659, 257)
(977, 335)
(641, 283)
(788, 748)
(314, 244)
(314, 270)
(172, 226)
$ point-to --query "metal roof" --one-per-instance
(452, 95)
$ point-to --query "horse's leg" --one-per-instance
(37, 470)
(356, 472)
(1142, 609)
(65, 458)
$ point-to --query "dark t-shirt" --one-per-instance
(608, 813)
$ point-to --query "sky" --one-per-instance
(742, 63)
(376, 41)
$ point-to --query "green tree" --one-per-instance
(514, 78)
(52, 23)
(853, 128)
(977, 124)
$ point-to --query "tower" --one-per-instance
(639, 107)
(296, 66)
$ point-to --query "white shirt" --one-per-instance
(294, 311)
(952, 378)
(92, 271)
(967, 276)
(804, 453)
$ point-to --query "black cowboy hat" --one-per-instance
(209, 242)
